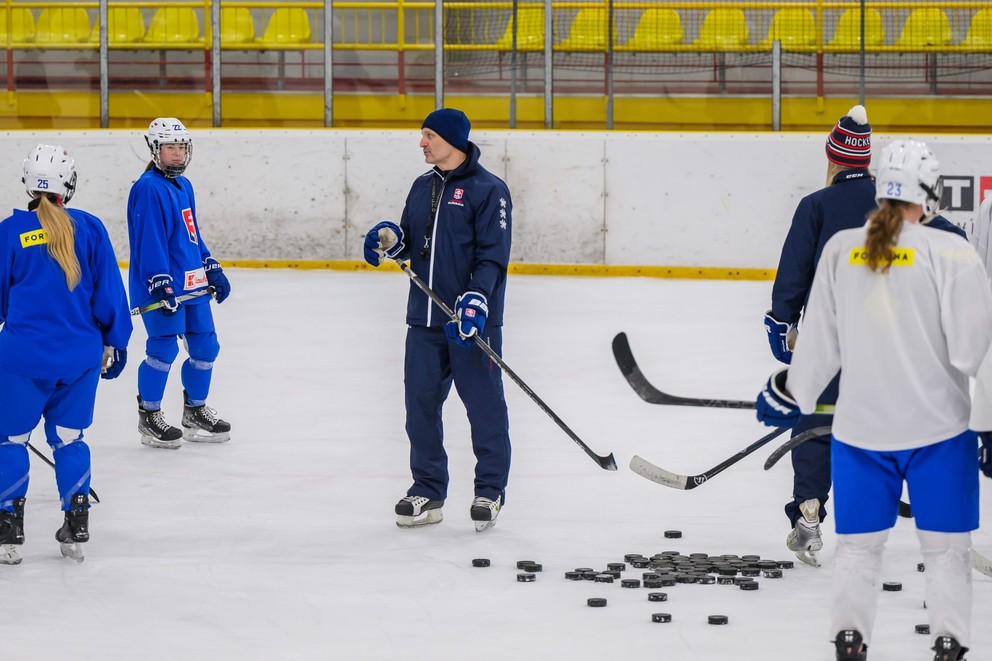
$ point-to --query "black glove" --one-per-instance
(985, 452)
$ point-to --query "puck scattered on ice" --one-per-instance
(603, 578)
(772, 573)
(532, 567)
(673, 534)
(724, 580)
(585, 570)
(920, 566)
(892, 586)
(630, 583)
(785, 564)
(753, 585)
(616, 566)
(521, 563)
(661, 617)
(573, 575)
(923, 628)
(480, 562)
(657, 596)
(525, 578)
(596, 602)
(717, 619)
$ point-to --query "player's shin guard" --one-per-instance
(152, 377)
(72, 469)
(855, 585)
(947, 557)
(196, 380)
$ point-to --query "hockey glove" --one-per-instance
(384, 240)
(985, 453)
(471, 309)
(217, 279)
(781, 337)
(776, 407)
(114, 361)
(160, 287)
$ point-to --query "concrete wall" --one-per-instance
(639, 199)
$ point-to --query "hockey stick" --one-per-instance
(628, 366)
(179, 299)
(606, 463)
(52, 464)
(905, 510)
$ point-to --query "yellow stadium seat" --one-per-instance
(22, 25)
(126, 26)
(723, 29)
(980, 31)
(288, 25)
(236, 25)
(847, 36)
(657, 29)
(588, 31)
(530, 34)
(173, 25)
(62, 25)
(794, 27)
(926, 27)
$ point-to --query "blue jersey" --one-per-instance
(164, 237)
(50, 332)
(469, 244)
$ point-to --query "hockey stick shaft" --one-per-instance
(52, 464)
(179, 299)
(605, 462)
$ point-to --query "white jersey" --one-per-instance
(980, 235)
(905, 341)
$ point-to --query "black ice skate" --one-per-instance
(850, 647)
(76, 529)
(948, 649)
(415, 511)
(155, 431)
(484, 512)
(12, 534)
(201, 424)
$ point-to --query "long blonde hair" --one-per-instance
(884, 226)
(60, 230)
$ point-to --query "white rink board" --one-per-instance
(636, 199)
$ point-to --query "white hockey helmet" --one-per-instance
(49, 169)
(909, 171)
(168, 131)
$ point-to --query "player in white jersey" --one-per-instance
(906, 315)
(981, 235)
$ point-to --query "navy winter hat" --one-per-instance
(450, 124)
(849, 144)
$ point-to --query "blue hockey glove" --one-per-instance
(776, 407)
(985, 453)
(160, 287)
(384, 240)
(781, 337)
(471, 309)
(217, 279)
(114, 361)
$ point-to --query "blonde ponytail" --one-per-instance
(60, 231)
(884, 226)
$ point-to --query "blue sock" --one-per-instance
(14, 466)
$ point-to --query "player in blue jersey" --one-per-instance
(66, 320)
(171, 266)
(455, 230)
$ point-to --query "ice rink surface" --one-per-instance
(282, 545)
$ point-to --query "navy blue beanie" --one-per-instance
(450, 124)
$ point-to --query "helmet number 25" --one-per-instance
(43, 183)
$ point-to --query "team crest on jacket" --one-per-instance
(190, 225)
(456, 197)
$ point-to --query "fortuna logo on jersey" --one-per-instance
(190, 225)
(456, 197)
(33, 238)
(900, 256)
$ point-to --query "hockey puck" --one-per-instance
(750, 571)
(923, 628)
(718, 619)
(630, 583)
(611, 572)
(480, 562)
(785, 564)
(616, 566)
(661, 617)
(724, 580)
(673, 534)
(920, 566)
(657, 596)
(596, 602)
(532, 567)
(526, 578)
(892, 586)
(603, 578)
(521, 563)
(772, 573)
(573, 575)
(640, 563)
(753, 585)
(707, 580)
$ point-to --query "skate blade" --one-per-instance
(483, 526)
(811, 558)
(428, 518)
(202, 436)
(72, 551)
(152, 442)
(10, 554)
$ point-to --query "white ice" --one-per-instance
(282, 545)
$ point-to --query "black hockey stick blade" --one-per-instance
(52, 464)
(654, 473)
(628, 367)
(605, 462)
(905, 511)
